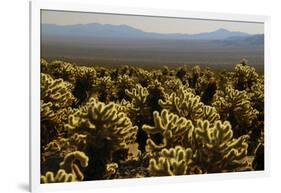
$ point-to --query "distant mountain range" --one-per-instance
(107, 44)
(242, 41)
(124, 31)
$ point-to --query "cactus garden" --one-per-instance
(128, 121)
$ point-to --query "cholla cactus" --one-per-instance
(85, 78)
(63, 146)
(53, 119)
(60, 177)
(145, 99)
(166, 74)
(186, 104)
(107, 131)
(103, 89)
(53, 110)
(56, 102)
(174, 130)
(171, 162)
(174, 85)
(111, 170)
(156, 93)
(195, 73)
(236, 107)
(70, 166)
(124, 83)
(56, 91)
(203, 81)
(208, 91)
(246, 76)
(128, 108)
(56, 150)
(84, 71)
(257, 95)
(216, 149)
(144, 77)
(59, 69)
(81, 77)
(142, 111)
(258, 162)
(209, 113)
(103, 123)
(47, 113)
(138, 95)
(192, 121)
(44, 65)
(183, 103)
(102, 72)
(182, 72)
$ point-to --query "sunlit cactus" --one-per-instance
(59, 69)
(55, 151)
(129, 121)
(85, 78)
(127, 107)
(59, 177)
(56, 91)
(245, 75)
(195, 74)
(144, 77)
(184, 103)
(173, 129)
(102, 72)
(216, 149)
(138, 95)
(44, 65)
(236, 107)
(139, 100)
(256, 94)
(70, 166)
(107, 130)
(104, 124)
(51, 123)
(62, 146)
(209, 113)
(124, 83)
(171, 162)
(111, 170)
(173, 85)
(47, 113)
(103, 89)
(156, 93)
(56, 102)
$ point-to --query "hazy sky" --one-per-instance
(149, 24)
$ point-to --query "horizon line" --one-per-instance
(218, 29)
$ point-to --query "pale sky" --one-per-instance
(149, 24)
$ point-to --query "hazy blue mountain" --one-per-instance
(252, 40)
(255, 39)
(125, 31)
(92, 30)
(219, 34)
(106, 44)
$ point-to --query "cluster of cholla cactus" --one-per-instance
(125, 122)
